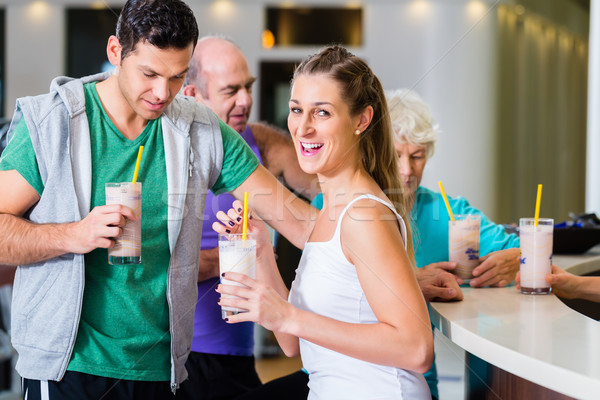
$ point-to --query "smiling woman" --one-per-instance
(349, 329)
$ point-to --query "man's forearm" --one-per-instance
(278, 207)
(23, 242)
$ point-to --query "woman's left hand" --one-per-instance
(265, 306)
(497, 269)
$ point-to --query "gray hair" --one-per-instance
(412, 121)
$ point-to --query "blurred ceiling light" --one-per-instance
(420, 8)
(353, 4)
(38, 11)
(268, 39)
(287, 4)
(476, 9)
(98, 5)
(222, 8)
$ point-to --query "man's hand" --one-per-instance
(497, 269)
(437, 284)
(98, 229)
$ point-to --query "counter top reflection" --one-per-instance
(537, 338)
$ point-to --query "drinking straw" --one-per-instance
(446, 200)
(537, 204)
(245, 223)
(137, 164)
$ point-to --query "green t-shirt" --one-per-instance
(124, 326)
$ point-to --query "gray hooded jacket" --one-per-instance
(47, 296)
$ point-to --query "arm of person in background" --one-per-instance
(497, 269)
(291, 216)
(279, 157)
(209, 264)
(24, 242)
(569, 286)
(437, 284)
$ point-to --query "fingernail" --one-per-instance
(240, 209)
(226, 319)
(250, 216)
(231, 223)
(239, 219)
(223, 274)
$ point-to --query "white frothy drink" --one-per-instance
(463, 244)
(128, 246)
(536, 254)
(236, 255)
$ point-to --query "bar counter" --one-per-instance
(525, 346)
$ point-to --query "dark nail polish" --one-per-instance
(226, 319)
(223, 274)
(240, 209)
(227, 230)
(239, 219)
(231, 223)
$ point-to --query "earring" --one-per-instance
(357, 132)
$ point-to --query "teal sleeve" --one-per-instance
(492, 237)
(20, 156)
(318, 201)
(238, 161)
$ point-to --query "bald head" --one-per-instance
(219, 77)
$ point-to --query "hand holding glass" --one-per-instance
(236, 255)
(128, 247)
(536, 254)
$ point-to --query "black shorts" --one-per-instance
(80, 386)
(289, 387)
(217, 377)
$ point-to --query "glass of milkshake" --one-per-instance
(128, 247)
(536, 254)
(463, 244)
(236, 255)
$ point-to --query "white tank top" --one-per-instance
(327, 284)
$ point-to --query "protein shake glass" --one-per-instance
(463, 244)
(236, 255)
(536, 254)
(128, 247)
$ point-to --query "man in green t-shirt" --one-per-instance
(128, 334)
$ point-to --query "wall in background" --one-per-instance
(444, 49)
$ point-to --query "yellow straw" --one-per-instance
(245, 223)
(537, 204)
(137, 164)
(446, 201)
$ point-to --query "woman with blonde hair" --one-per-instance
(355, 311)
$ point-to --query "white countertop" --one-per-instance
(536, 337)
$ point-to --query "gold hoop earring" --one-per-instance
(357, 132)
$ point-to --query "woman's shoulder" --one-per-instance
(368, 209)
